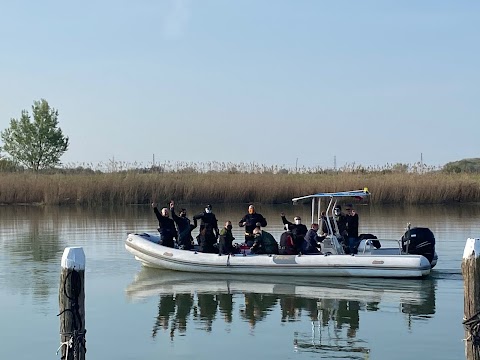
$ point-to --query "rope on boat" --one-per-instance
(472, 325)
(77, 338)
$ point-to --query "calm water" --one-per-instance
(133, 313)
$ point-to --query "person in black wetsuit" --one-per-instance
(352, 229)
(298, 230)
(208, 222)
(184, 228)
(249, 221)
(166, 227)
(341, 221)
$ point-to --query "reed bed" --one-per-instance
(122, 188)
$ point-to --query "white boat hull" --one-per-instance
(361, 265)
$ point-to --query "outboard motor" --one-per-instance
(419, 241)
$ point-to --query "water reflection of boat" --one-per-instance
(333, 306)
(151, 282)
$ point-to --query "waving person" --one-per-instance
(166, 226)
(184, 227)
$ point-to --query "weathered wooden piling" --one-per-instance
(471, 286)
(71, 297)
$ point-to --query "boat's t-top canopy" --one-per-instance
(355, 193)
(359, 194)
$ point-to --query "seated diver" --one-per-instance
(312, 241)
(287, 245)
(225, 242)
(264, 242)
(206, 244)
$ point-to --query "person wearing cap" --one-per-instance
(208, 221)
(298, 230)
(249, 221)
(166, 227)
(264, 242)
(184, 227)
(352, 229)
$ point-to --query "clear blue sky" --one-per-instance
(370, 82)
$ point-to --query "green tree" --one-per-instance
(37, 144)
(464, 165)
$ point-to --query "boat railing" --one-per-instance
(332, 243)
(369, 243)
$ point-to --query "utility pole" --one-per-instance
(334, 162)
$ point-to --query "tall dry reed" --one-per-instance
(123, 188)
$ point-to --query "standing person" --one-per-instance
(184, 227)
(210, 223)
(250, 221)
(166, 227)
(312, 241)
(264, 242)
(352, 228)
(298, 230)
(324, 223)
(225, 244)
(341, 221)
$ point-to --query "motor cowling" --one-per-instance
(419, 241)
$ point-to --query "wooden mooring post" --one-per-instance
(471, 303)
(71, 298)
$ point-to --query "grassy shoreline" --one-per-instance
(139, 188)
